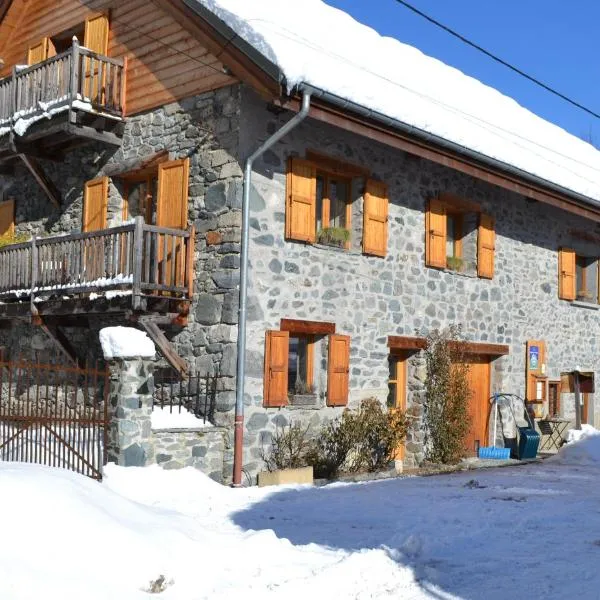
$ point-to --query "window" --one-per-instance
(587, 278)
(64, 40)
(300, 365)
(290, 358)
(141, 198)
(319, 200)
(459, 237)
(577, 276)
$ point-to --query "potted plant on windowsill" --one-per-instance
(455, 263)
(303, 394)
(585, 296)
(334, 236)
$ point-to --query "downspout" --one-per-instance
(238, 431)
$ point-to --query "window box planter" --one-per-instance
(298, 476)
(302, 399)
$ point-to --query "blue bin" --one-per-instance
(493, 452)
(529, 441)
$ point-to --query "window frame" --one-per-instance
(151, 181)
(325, 216)
(310, 362)
(594, 262)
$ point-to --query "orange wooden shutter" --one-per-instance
(172, 212)
(96, 34)
(435, 234)
(41, 51)
(172, 209)
(338, 368)
(95, 203)
(277, 345)
(300, 210)
(7, 218)
(566, 274)
(375, 221)
(486, 245)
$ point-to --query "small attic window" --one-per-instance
(64, 40)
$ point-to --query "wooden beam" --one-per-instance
(18, 147)
(164, 345)
(105, 137)
(482, 348)
(57, 337)
(43, 180)
(307, 327)
(400, 342)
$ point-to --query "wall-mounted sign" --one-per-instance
(534, 358)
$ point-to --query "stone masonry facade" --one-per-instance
(371, 298)
(368, 298)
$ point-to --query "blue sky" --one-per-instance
(553, 40)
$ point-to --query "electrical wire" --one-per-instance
(497, 59)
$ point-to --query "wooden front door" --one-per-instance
(397, 390)
(479, 404)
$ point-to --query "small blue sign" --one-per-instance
(534, 358)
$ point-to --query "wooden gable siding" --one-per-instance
(165, 62)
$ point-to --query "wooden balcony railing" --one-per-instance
(146, 260)
(75, 79)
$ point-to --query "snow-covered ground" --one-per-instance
(524, 532)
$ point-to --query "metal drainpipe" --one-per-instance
(238, 431)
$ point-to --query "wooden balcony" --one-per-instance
(134, 268)
(73, 97)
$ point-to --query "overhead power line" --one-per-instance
(497, 59)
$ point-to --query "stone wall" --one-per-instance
(204, 449)
(132, 441)
(205, 129)
(370, 298)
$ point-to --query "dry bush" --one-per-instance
(289, 448)
(361, 440)
(446, 407)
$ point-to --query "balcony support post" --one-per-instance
(74, 75)
(138, 263)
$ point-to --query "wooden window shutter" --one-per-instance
(338, 368)
(566, 274)
(435, 234)
(96, 34)
(41, 51)
(277, 345)
(172, 208)
(7, 218)
(301, 200)
(95, 204)
(486, 245)
(375, 221)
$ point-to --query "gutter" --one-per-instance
(238, 432)
(430, 138)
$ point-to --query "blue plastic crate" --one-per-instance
(493, 452)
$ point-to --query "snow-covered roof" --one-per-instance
(315, 44)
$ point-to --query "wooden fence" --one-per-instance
(75, 78)
(146, 259)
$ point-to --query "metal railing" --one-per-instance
(77, 78)
(195, 395)
(146, 259)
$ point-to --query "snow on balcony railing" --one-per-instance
(77, 78)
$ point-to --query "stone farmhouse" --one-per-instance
(387, 195)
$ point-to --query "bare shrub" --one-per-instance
(447, 396)
(361, 440)
(289, 448)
